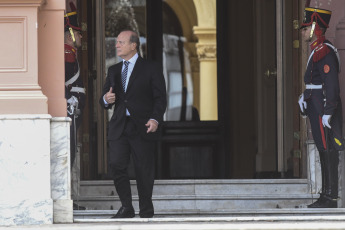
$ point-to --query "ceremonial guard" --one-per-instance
(321, 102)
(74, 87)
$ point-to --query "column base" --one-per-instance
(63, 211)
(26, 212)
(23, 102)
(60, 170)
(25, 197)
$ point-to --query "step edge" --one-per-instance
(243, 211)
(203, 182)
(208, 197)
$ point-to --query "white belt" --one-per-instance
(77, 90)
(310, 86)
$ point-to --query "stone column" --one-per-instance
(51, 62)
(206, 47)
(60, 173)
(207, 54)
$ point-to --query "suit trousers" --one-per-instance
(143, 154)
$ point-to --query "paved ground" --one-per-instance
(201, 223)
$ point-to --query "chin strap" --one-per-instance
(72, 34)
(312, 29)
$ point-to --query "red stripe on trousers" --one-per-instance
(322, 134)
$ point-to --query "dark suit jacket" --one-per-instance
(145, 97)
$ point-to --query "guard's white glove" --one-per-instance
(73, 101)
(325, 120)
(302, 103)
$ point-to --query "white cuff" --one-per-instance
(155, 121)
(105, 102)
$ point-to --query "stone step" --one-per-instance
(326, 220)
(210, 203)
(239, 215)
(204, 187)
(206, 196)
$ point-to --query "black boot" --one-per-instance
(334, 174)
(317, 203)
(329, 199)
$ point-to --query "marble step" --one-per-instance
(205, 203)
(204, 187)
(293, 214)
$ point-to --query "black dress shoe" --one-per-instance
(77, 207)
(125, 213)
(324, 202)
(317, 203)
(146, 215)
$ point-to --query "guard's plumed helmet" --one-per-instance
(320, 16)
(71, 21)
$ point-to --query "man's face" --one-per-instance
(125, 49)
(306, 34)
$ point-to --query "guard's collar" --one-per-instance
(317, 42)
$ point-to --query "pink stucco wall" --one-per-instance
(32, 57)
(20, 92)
(337, 34)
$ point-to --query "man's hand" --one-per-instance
(302, 103)
(152, 126)
(73, 101)
(109, 97)
(325, 120)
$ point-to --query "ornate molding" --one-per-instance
(206, 52)
(205, 34)
(207, 45)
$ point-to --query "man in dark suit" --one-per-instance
(136, 88)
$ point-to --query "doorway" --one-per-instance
(256, 71)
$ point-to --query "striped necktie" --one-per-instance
(124, 75)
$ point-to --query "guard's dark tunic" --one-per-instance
(73, 87)
(323, 70)
(71, 69)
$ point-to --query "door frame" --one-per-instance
(280, 86)
(101, 73)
